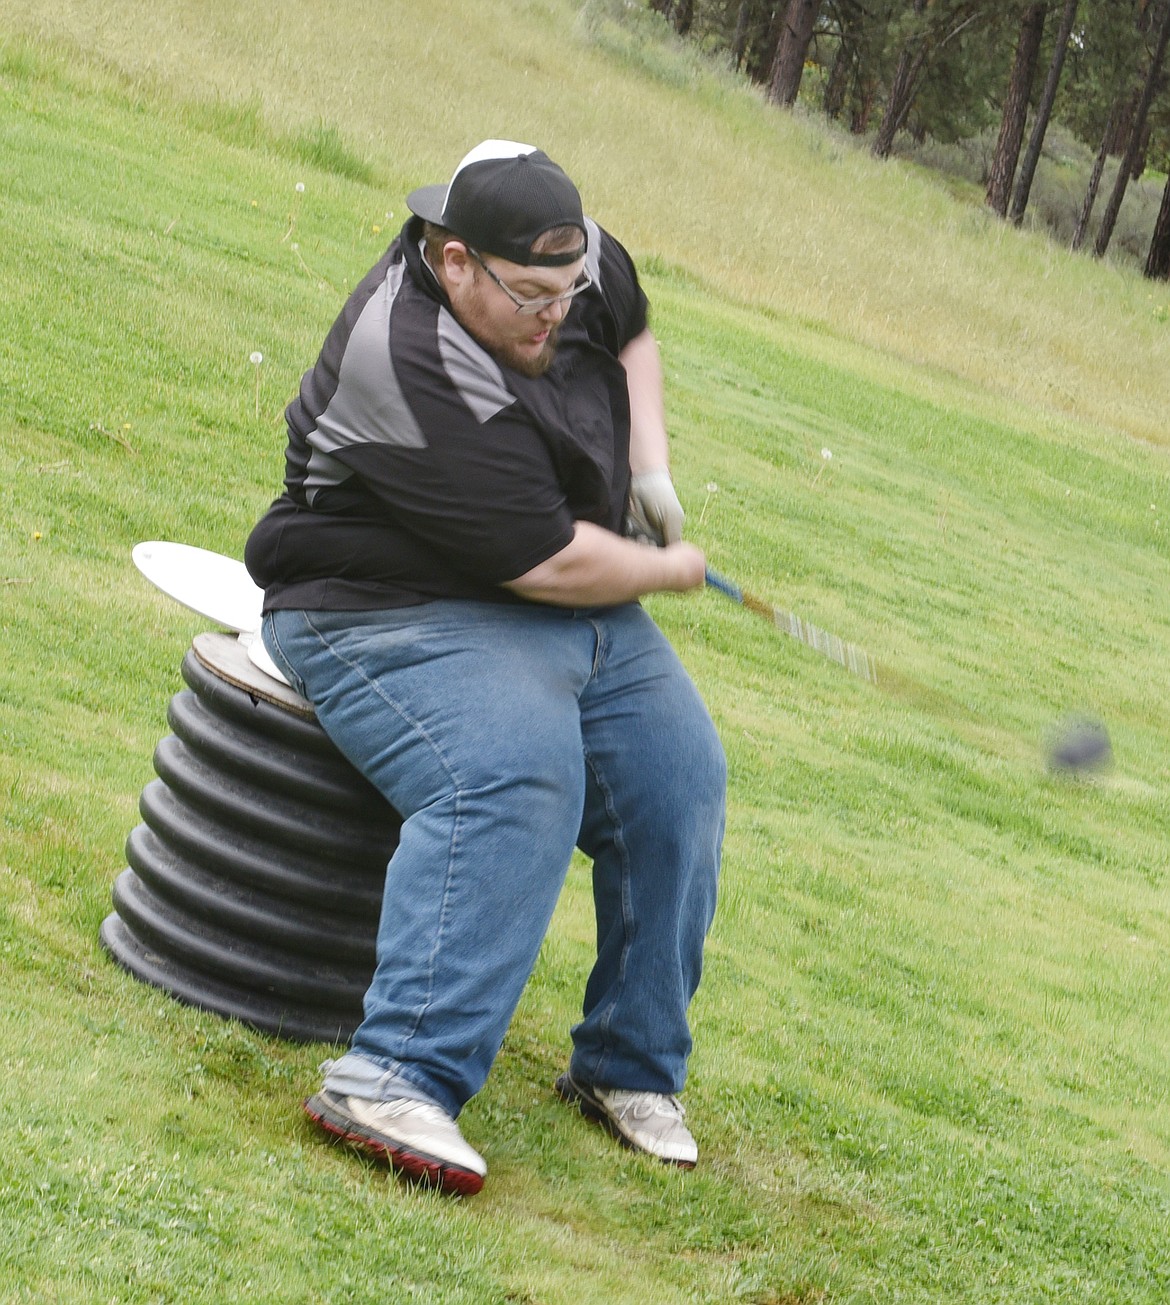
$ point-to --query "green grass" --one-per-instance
(932, 1035)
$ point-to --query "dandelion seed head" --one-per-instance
(300, 187)
(712, 488)
(255, 357)
(827, 454)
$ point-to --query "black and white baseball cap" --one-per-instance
(501, 199)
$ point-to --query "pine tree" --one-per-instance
(1043, 113)
(1158, 259)
(922, 37)
(1015, 108)
(1137, 132)
(795, 37)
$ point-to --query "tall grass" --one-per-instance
(932, 1034)
(1058, 190)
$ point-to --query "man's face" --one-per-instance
(521, 340)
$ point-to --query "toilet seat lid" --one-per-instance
(211, 584)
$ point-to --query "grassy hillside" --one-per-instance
(768, 208)
(932, 1037)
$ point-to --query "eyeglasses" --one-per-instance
(530, 307)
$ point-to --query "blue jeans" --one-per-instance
(505, 735)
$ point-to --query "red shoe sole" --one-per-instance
(414, 1167)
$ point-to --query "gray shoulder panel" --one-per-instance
(593, 250)
(368, 406)
(323, 472)
(473, 372)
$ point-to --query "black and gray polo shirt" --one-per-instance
(418, 467)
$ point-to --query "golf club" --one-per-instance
(849, 655)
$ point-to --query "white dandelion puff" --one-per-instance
(256, 358)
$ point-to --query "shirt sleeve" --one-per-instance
(625, 302)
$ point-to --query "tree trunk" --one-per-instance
(838, 80)
(903, 88)
(1043, 114)
(1015, 108)
(679, 13)
(739, 45)
(1124, 124)
(901, 92)
(764, 55)
(1095, 179)
(788, 66)
(1109, 218)
(863, 108)
(1141, 153)
(1158, 259)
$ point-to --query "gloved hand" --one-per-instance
(654, 512)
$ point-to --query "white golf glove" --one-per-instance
(655, 514)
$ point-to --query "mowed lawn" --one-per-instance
(932, 1038)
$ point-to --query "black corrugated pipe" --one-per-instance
(255, 882)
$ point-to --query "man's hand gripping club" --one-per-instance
(655, 515)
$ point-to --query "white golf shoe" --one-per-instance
(645, 1121)
(417, 1138)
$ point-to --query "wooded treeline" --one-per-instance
(949, 69)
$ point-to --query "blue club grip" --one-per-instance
(725, 586)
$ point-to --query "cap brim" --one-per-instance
(428, 202)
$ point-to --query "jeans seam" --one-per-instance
(448, 881)
(598, 652)
(457, 790)
(628, 922)
(285, 665)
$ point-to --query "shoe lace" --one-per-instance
(642, 1105)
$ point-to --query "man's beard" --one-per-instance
(527, 364)
(485, 329)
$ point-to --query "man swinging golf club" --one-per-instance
(447, 580)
